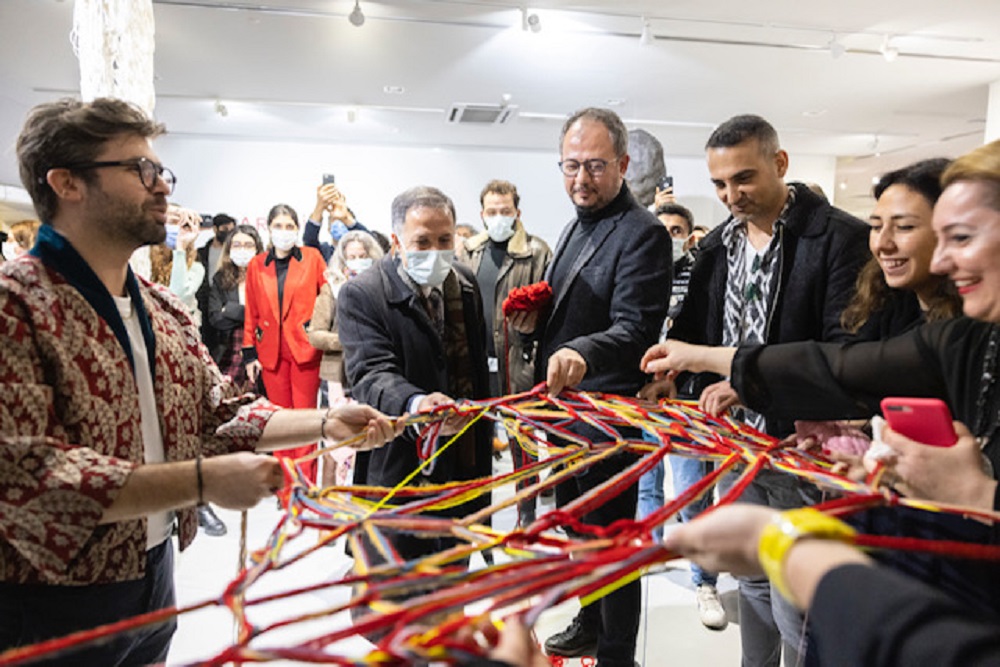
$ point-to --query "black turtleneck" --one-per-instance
(584, 225)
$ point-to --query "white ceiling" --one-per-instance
(297, 69)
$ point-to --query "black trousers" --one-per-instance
(31, 613)
(615, 616)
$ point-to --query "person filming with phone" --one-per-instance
(330, 202)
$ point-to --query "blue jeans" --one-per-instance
(687, 472)
(768, 622)
(651, 496)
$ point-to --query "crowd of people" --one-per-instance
(146, 378)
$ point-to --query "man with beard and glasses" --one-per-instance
(115, 423)
(610, 278)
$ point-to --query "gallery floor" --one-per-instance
(670, 632)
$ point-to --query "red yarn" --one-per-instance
(528, 299)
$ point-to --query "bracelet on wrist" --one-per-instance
(201, 481)
(787, 528)
(322, 423)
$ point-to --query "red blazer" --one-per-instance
(262, 324)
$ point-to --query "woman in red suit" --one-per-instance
(281, 289)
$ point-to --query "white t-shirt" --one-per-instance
(159, 524)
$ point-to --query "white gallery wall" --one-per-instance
(246, 177)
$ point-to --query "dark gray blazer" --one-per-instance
(393, 352)
(613, 297)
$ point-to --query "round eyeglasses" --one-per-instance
(147, 169)
(594, 166)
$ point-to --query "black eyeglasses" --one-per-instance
(146, 168)
(594, 166)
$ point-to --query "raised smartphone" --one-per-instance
(328, 179)
(925, 420)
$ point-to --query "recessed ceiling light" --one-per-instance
(393, 90)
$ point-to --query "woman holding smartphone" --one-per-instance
(957, 360)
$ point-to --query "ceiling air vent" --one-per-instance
(481, 114)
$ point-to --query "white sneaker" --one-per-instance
(710, 609)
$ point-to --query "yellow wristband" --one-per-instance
(785, 530)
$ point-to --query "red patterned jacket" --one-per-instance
(69, 415)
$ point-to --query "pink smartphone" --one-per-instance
(925, 420)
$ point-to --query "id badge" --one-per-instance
(494, 364)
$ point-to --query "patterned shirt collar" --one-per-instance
(58, 254)
(736, 229)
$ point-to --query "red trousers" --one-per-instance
(293, 386)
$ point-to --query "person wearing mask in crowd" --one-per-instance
(781, 268)
(504, 257)
(896, 289)
(610, 278)
(356, 252)
(21, 238)
(209, 256)
(679, 222)
(281, 289)
(227, 302)
(332, 203)
(175, 264)
(115, 423)
(413, 336)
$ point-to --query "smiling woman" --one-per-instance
(896, 289)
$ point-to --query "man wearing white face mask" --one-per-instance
(504, 257)
(680, 225)
(413, 336)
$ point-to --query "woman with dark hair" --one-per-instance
(281, 289)
(227, 301)
(896, 289)
(957, 360)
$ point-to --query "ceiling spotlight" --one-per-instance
(837, 48)
(357, 17)
(221, 108)
(530, 21)
(888, 51)
(646, 36)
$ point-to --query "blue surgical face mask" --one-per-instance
(429, 267)
(358, 265)
(172, 232)
(500, 227)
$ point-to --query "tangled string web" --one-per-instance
(418, 611)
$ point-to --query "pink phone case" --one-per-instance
(925, 420)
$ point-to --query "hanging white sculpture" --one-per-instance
(114, 42)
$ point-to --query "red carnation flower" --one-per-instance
(528, 299)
